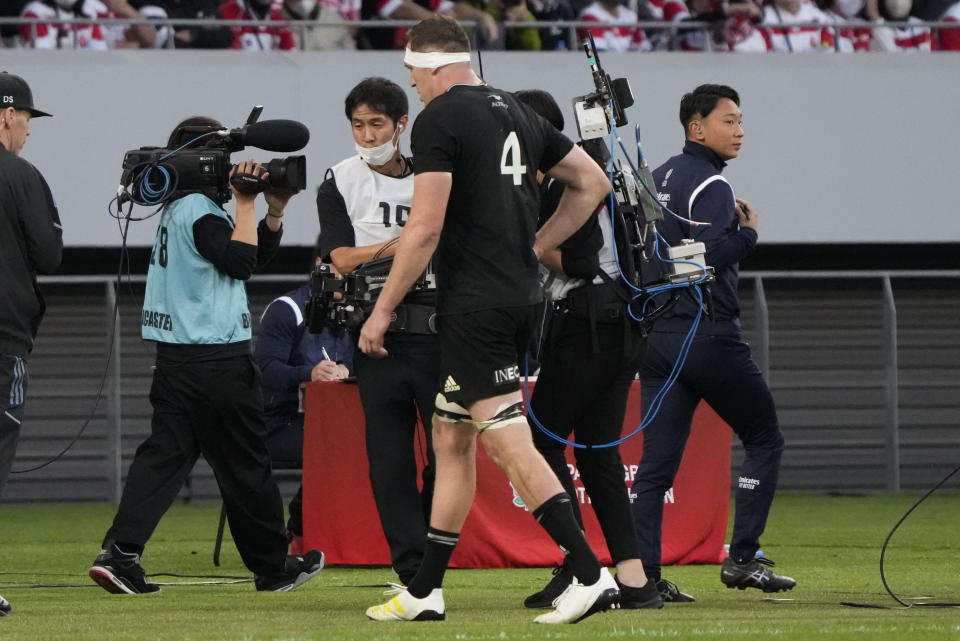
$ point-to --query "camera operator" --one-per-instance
(31, 243)
(206, 393)
(289, 355)
(718, 368)
(590, 351)
(363, 205)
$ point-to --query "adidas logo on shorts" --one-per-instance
(450, 385)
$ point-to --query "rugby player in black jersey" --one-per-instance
(476, 153)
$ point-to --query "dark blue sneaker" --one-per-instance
(753, 574)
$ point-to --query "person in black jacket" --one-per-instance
(31, 243)
(718, 368)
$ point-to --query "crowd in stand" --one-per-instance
(793, 26)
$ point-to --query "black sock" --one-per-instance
(440, 547)
(556, 516)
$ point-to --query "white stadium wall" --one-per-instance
(838, 149)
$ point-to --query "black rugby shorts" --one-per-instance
(480, 352)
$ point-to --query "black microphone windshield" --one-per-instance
(277, 135)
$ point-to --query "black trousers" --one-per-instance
(393, 390)
(585, 392)
(13, 390)
(285, 445)
(720, 370)
(210, 407)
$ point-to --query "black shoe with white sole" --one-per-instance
(119, 572)
(754, 574)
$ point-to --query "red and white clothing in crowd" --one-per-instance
(348, 9)
(384, 10)
(257, 38)
(668, 10)
(55, 35)
(613, 38)
(914, 37)
(949, 39)
(797, 39)
(849, 39)
(730, 31)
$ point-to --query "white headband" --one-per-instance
(433, 59)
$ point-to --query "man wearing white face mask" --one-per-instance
(912, 37)
(363, 205)
(325, 37)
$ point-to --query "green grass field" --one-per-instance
(831, 545)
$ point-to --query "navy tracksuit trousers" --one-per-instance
(720, 370)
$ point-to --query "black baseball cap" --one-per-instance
(15, 92)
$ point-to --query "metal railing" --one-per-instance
(570, 26)
(891, 406)
(760, 281)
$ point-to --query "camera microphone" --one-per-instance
(273, 135)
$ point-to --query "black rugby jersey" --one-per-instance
(493, 146)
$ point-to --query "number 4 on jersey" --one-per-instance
(511, 164)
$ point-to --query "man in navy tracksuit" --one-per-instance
(719, 368)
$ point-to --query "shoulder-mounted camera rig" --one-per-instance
(344, 301)
(635, 208)
(156, 175)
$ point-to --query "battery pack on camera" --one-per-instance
(691, 261)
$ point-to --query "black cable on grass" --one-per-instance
(218, 579)
(883, 552)
(214, 579)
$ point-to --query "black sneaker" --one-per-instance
(4, 607)
(562, 577)
(752, 574)
(297, 571)
(645, 598)
(670, 593)
(119, 572)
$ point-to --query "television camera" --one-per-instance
(636, 207)
(344, 302)
(155, 175)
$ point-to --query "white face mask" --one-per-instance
(899, 9)
(849, 8)
(381, 154)
(301, 8)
